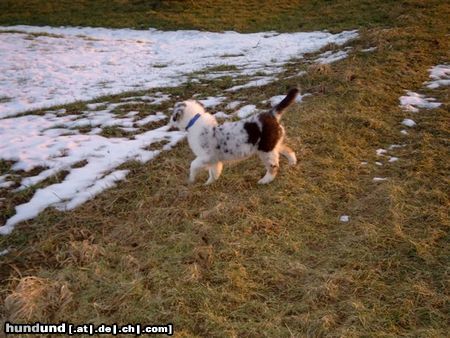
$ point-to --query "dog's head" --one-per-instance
(183, 112)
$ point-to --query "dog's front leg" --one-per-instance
(196, 165)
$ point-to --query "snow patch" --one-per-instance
(344, 218)
(84, 63)
(261, 81)
(212, 101)
(233, 105)
(396, 146)
(301, 73)
(26, 141)
(131, 113)
(6, 184)
(221, 115)
(408, 123)
(246, 111)
(440, 75)
(413, 101)
(393, 159)
(330, 56)
(368, 50)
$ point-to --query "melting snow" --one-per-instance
(260, 81)
(4, 183)
(131, 113)
(440, 75)
(393, 159)
(84, 63)
(301, 73)
(344, 218)
(233, 105)
(274, 100)
(330, 56)
(408, 122)
(370, 49)
(395, 146)
(221, 115)
(245, 111)
(31, 141)
(94, 106)
(413, 101)
(212, 101)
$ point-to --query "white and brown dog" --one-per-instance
(214, 144)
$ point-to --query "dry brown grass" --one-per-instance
(34, 298)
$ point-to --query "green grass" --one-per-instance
(248, 16)
(238, 259)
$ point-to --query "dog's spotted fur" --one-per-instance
(213, 144)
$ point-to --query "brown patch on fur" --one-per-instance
(253, 131)
(271, 132)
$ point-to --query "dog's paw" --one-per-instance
(292, 162)
(266, 180)
(209, 181)
(292, 159)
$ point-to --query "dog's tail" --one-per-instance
(279, 109)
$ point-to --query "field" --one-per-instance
(243, 260)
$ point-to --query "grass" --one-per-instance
(247, 16)
(238, 259)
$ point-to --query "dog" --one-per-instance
(213, 144)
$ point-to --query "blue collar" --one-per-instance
(192, 121)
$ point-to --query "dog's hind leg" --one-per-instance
(196, 165)
(270, 160)
(289, 154)
(214, 172)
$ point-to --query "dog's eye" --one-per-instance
(176, 116)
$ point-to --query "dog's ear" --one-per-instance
(178, 111)
(176, 116)
(201, 104)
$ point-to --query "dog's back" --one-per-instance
(262, 132)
